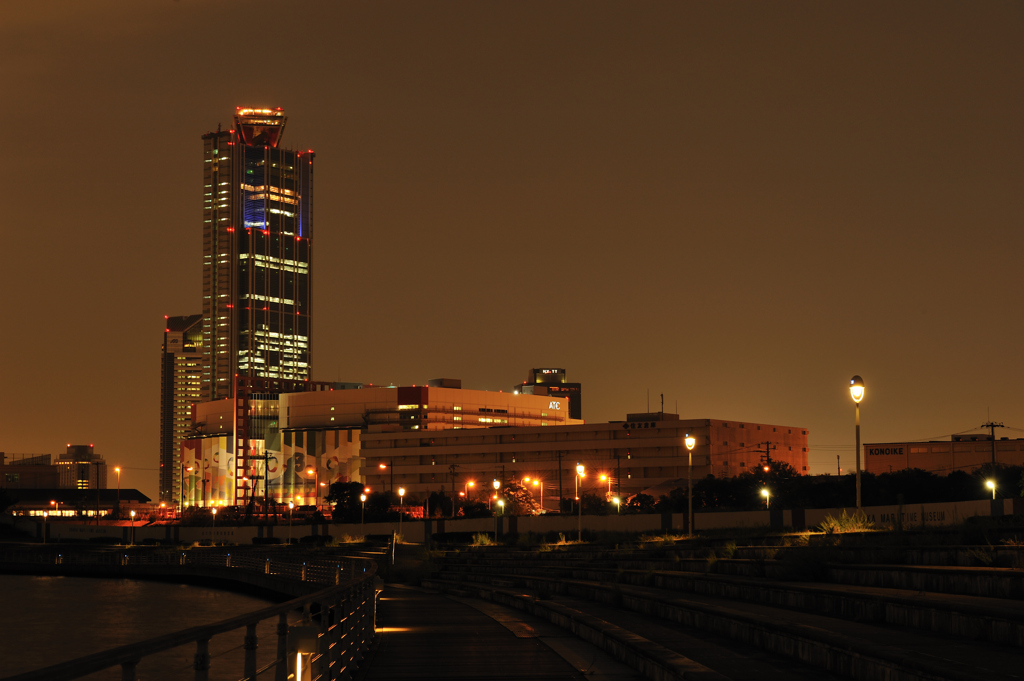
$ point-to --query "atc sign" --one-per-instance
(554, 404)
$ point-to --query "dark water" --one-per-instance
(46, 620)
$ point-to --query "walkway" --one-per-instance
(425, 635)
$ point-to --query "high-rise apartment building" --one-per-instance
(257, 254)
(181, 371)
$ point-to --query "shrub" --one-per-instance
(858, 522)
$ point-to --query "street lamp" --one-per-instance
(497, 486)
(362, 512)
(132, 513)
(117, 469)
(316, 489)
(580, 474)
(401, 508)
(608, 478)
(214, 517)
(767, 498)
(291, 506)
(45, 514)
(539, 483)
(857, 393)
(690, 441)
(618, 505)
(181, 500)
(991, 484)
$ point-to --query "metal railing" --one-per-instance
(336, 628)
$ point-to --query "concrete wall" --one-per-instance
(912, 516)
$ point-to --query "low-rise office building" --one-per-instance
(960, 453)
(620, 458)
(321, 431)
(28, 471)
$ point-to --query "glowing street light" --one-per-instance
(690, 441)
(215, 517)
(767, 498)
(857, 393)
(401, 508)
(132, 514)
(181, 500)
(991, 484)
(291, 506)
(45, 514)
(618, 505)
(497, 485)
(540, 483)
(117, 469)
(316, 488)
(580, 474)
(362, 512)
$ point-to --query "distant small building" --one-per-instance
(27, 471)
(81, 468)
(552, 382)
(960, 453)
(78, 503)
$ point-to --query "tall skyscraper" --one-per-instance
(257, 254)
(181, 371)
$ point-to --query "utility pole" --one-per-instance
(992, 425)
(839, 466)
(559, 481)
(766, 454)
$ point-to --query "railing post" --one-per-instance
(323, 644)
(281, 673)
(128, 670)
(250, 644)
(342, 640)
(337, 660)
(202, 659)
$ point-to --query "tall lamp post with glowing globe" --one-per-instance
(857, 393)
(690, 441)
(580, 474)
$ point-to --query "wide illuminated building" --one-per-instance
(315, 436)
(257, 254)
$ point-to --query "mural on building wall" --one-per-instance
(289, 457)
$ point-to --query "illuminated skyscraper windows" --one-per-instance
(257, 246)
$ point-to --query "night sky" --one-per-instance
(737, 204)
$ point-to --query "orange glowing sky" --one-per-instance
(737, 204)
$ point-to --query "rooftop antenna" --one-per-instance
(662, 404)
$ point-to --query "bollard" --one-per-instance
(201, 662)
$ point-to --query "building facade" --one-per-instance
(81, 467)
(313, 437)
(257, 254)
(181, 372)
(960, 453)
(644, 453)
(28, 471)
(552, 382)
